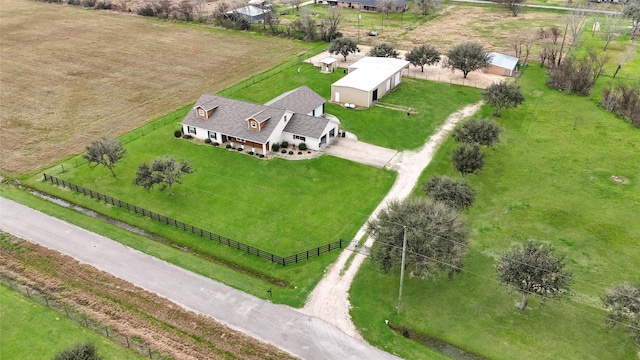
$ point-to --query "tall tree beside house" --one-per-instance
(385, 6)
(165, 171)
(383, 50)
(330, 24)
(423, 55)
(436, 237)
(533, 268)
(467, 57)
(503, 95)
(106, 152)
(343, 46)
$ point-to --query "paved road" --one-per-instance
(304, 336)
(543, 7)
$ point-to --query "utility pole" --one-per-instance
(404, 253)
(359, 26)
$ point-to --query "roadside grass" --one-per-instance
(32, 331)
(301, 278)
(550, 180)
(386, 125)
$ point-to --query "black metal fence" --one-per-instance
(284, 261)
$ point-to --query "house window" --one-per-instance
(212, 135)
(191, 130)
(200, 112)
(298, 137)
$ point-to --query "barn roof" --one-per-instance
(503, 61)
(369, 72)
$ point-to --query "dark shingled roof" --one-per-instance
(301, 100)
(230, 118)
(306, 125)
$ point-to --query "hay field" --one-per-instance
(69, 75)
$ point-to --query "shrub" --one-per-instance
(74, 2)
(146, 10)
(187, 136)
(84, 351)
(308, 152)
(261, 156)
(290, 152)
(302, 146)
(89, 3)
(457, 194)
(275, 147)
(624, 101)
(283, 151)
(215, 144)
(228, 146)
(207, 141)
(478, 131)
(104, 5)
(177, 133)
(299, 152)
(250, 152)
(240, 149)
(284, 144)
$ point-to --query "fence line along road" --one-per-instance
(542, 7)
(284, 261)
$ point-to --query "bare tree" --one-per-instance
(628, 54)
(522, 42)
(185, 10)
(576, 20)
(385, 6)
(198, 10)
(426, 7)
(123, 5)
(631, 9)
(306, 25)
(611, 25)
(513, 5)
(548, 45)
(295, 4)
(330, 24)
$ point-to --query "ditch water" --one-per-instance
(152, 236)
(436, 344)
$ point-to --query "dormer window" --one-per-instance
(201, 112)
(253, 124)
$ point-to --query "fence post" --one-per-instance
(106, 330)
(46, 300)
(86, 323)
(150, 356)
(28, 294)
(65, 310)
(128, 345)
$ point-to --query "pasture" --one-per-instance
(71, 75)
(552, 179)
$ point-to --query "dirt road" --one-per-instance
(330, 299)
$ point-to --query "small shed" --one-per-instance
(252, 14)
(328, 65)
(501, 64)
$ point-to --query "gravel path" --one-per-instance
(330, 299)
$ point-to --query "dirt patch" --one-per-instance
(128, 309)
(620, 179)
(70, 75)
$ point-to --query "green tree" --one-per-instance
(383, 50)
(436, 234)
(503, 95)
(457, 194)
(478, 131)
(468, 159)
(623, 306)
(106, 152)
(423, 55)
(513, 5)
(533, 268)
(163, 170)
(467, 57)
(81, 351)
(343, 46)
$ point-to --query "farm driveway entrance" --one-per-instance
(358, 151)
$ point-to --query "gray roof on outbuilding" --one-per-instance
(503, 61)
(301, 100)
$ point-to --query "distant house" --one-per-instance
(295, 116)
(502, 64)
(369, 5)
(328, 65)
(369, 79)
(252, 14)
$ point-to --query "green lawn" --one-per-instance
(549, 180)
(386, 125)
(32, 331)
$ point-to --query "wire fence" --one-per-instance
(284, 261)
(51, 301)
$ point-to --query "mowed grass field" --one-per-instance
(32, 331)
(550, 179)
(70, 75)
